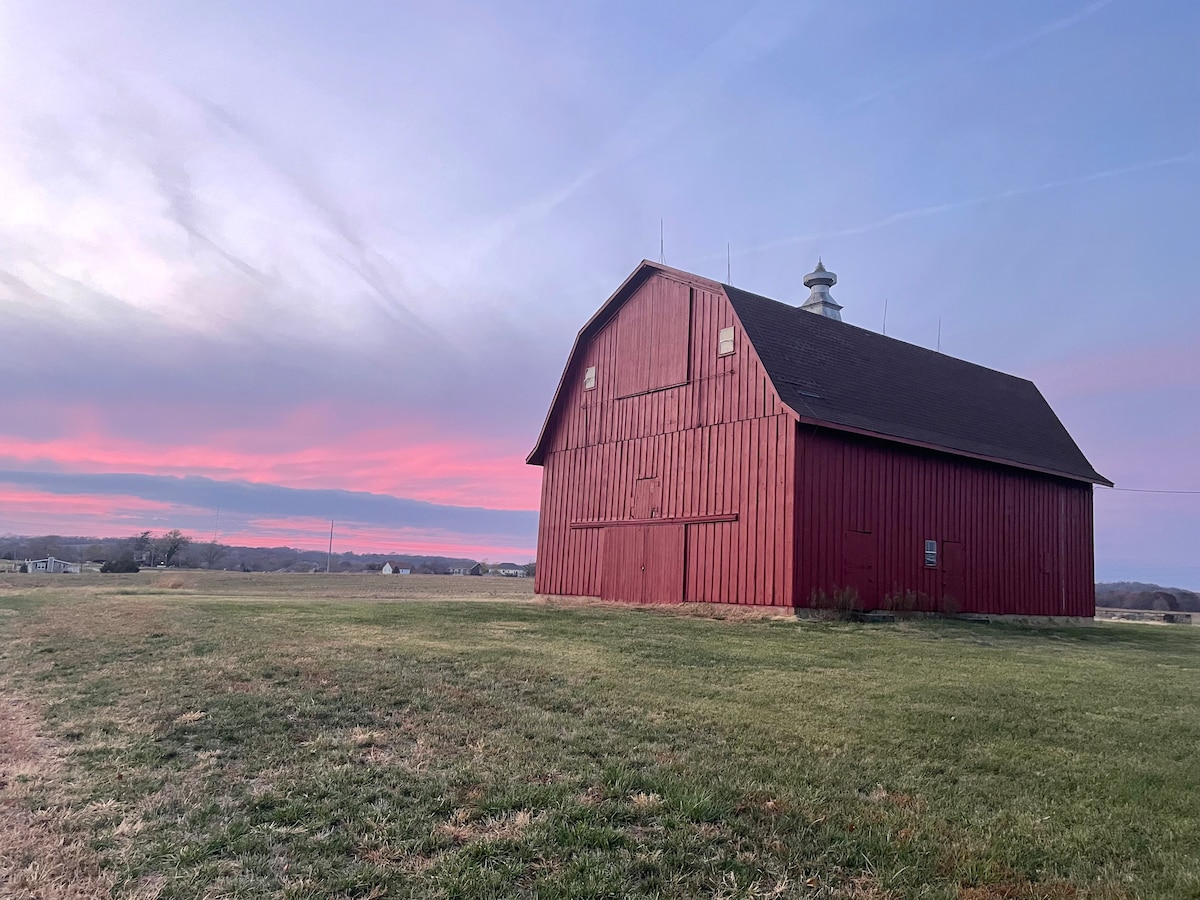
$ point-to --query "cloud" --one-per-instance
(673, 102)
(391, 458)
(1114, 371)
(996, 51)
(256, 513)
(922, 212)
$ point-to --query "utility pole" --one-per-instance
(329, 559)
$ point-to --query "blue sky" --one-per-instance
(319, 247)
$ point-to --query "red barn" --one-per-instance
(706, 444)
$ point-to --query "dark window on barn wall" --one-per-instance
(653, 336)
(931, 554)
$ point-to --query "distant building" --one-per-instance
(51, 566)
(509, 570)
(476, 569)
(391, 568)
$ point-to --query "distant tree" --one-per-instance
(141, 547)
(47, 545)
(122, 564)
(212, 553)
(24, 570)
(170, 545)
(531, 568)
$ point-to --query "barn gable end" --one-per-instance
(667, 480)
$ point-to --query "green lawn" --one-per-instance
(358, 748)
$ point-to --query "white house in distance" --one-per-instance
(510, 570)
(391, 568)
(476, 569)
(51, 566)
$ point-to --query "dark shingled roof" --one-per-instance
(837, 373)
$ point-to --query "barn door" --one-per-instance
(643, 564)
(621, 577)
(858, 567)
(663, 556)
(953, 572)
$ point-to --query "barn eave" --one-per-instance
(952, 451)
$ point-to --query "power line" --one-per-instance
(1149, 491)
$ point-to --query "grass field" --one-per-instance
(368, 736)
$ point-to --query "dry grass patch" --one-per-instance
(466, 826)
(174, 582)
(719, 611)
(42, 857)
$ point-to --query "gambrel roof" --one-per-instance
(839, 374)
(834, 374)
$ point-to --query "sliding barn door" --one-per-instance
(643, 564)
(663, 556)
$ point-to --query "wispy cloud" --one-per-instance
(921, 212)
(996, 51)
(673, 102)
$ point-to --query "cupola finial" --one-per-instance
(819, 301)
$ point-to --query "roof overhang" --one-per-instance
(942, 448)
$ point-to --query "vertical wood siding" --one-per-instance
(1009, 542)
(719, 445)
(654, 491)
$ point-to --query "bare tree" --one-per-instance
(170, 545)
(212, 553)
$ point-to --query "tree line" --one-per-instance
(174, 548)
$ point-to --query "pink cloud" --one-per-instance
(399, 460)
(43, 512)
(310, 533)
(1098, 372)
(39, 512)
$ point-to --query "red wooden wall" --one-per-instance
(1009, 541)
(677, 491)
(682, 477)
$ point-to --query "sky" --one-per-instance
(264, 265)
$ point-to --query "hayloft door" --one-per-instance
(647, 498)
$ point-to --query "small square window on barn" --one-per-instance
(725, 342)
(931, 554)
(589, 379)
